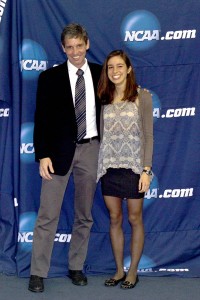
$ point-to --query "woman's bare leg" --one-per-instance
(135, 207)
(114, 206)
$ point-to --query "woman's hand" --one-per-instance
(144, 183)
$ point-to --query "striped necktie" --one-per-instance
(80, 105)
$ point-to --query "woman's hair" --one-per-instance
(106, 87)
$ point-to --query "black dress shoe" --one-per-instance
(36, 284)
(77, 277)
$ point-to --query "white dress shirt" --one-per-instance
(91, 128)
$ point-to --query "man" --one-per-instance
(62, 149)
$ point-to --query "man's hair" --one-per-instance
(74, 30)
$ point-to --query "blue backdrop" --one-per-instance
(162, 39)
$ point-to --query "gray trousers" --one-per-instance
(84, 168)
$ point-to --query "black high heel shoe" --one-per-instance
(129, 285)
(114, 282)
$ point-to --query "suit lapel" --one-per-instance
(65, 85)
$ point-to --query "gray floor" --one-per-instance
(149, 288)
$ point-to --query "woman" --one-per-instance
(125, 158)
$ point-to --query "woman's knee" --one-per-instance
(135, 219)
(116, 219)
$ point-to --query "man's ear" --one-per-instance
(88, 44)
(63, 48)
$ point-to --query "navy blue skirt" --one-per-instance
(122, 183)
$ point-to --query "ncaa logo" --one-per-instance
(145, 263)
(156, 106)
(33, 59)
(140, 30)
(26, 148)
(4, 112)
(25, 235)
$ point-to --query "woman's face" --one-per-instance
(117, 70)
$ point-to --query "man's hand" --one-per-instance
(45, 168)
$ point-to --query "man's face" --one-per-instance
(75, 49)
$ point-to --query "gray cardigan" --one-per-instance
(146, 113)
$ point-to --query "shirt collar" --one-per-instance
(74, 69)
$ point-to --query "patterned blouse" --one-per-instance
(121, 146)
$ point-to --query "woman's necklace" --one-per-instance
(118, 98)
